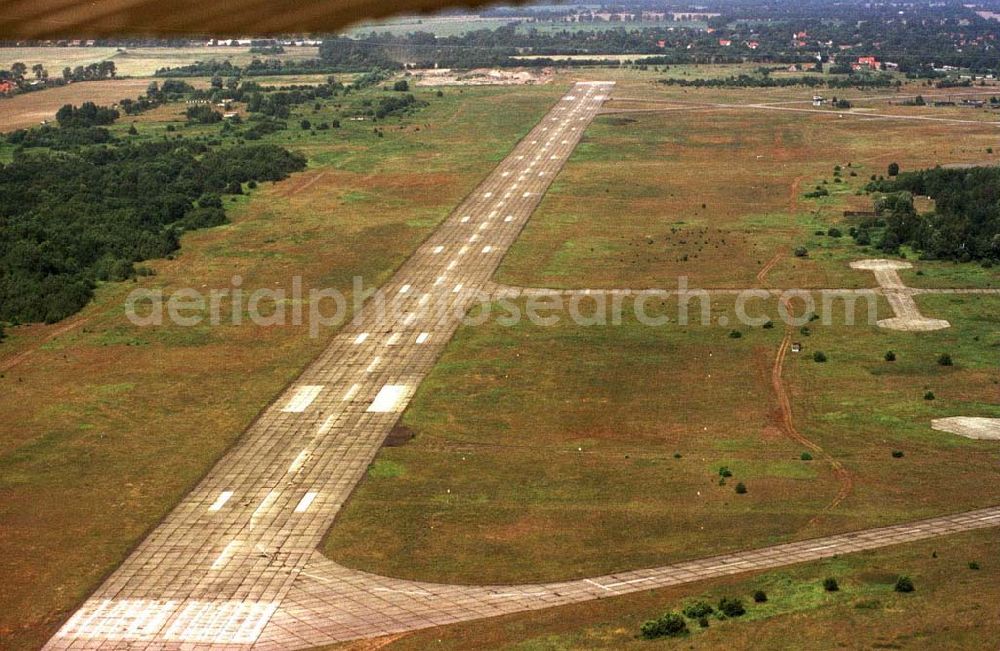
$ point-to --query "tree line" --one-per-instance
(71, 219)
(965, 223)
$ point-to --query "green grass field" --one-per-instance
(951, 607)
(106, 426)
(552, 450)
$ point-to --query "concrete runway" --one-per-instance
(235, 564)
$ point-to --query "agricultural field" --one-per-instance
(85, 476)
(30, 109)
(142, 61)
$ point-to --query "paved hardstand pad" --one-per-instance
(235, 564)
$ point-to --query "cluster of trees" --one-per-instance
(965, 223)
(170, 90)
(87, 114)
(766, 81)
(67, 221)
(59, 139)
(395, 105)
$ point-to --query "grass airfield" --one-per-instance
(553, 470)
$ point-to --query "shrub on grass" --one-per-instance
(830, 584)
(929, 395)
(724, 471)
(890, 356)
(805, 456)
(698, 609)
(668, 625)
(973, 565)
(768, 325)
(904, 584)
(819, 356)
(945, 360)
(801, 252)
(834, 232)
(760, 596)
(731, 607)
(735, 334)
(897, 454)
(741, 488)
(703, 622)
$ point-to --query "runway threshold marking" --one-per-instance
(390, 398)
(303, 397)
(220, 501)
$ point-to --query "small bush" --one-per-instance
(735, 334)
(819, 356)
(731, 607)
(760, 596)
(835, 232)
(768, 325)
(897, 454)
(698, 609)
(725, 472)
(830, 584)
(668, 625)
(741, 488)
(945, 360)
(890, 356)
(973, 565)
(929, 395)
(801, 252)
(805, 456)
(703, 622)
(904, 584)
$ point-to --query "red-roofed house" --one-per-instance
(6, 87)
(863, 62)
(725, 42)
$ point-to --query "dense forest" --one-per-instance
(965, 223)
(69, 219)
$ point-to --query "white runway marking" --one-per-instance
(297, 462)
(303, 398)
(422, 337)
(457, 289)
(465, 219)
(305, 502)
(473, 237)
(350, 393)
(452, 264)
(509, 218)
(487, 194)
(226, 554)
(463, 250)
(409, 319)
(439, 280)
(265, 503)
(390, 398)
(438, 249)
(423, 299)
(487, 249)
(393, 339)
(373, 365)
(221, 500)
(360, 339)
(404, 289)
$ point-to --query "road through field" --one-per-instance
(235, 564)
